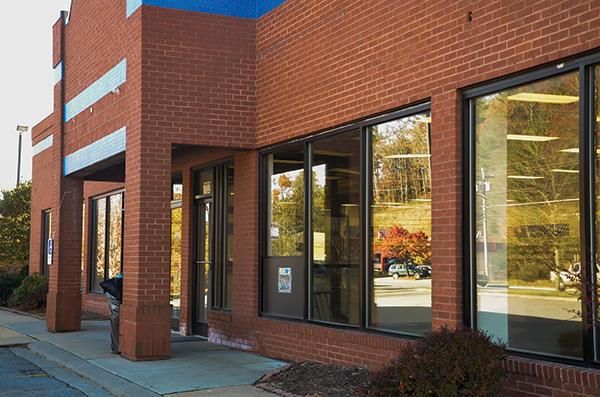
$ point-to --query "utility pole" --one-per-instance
(20, 129)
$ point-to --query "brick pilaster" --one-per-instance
(145, 313)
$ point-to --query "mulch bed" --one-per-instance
(315, 380)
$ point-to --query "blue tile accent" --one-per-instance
(100, 88)
(132, 5)
(235, 8)
(102, 149)
(58, 73)
(42, 145)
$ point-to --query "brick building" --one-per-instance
(450, 148)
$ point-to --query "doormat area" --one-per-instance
(314, 379)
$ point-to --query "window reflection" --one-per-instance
(116, 235)
(527, 216)
(336, 229)
(107, 238)
(401, 225)
(286, 212)
(100, 240)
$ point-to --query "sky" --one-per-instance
(26, 78)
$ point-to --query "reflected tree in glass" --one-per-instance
(527, 216)
(400, 293)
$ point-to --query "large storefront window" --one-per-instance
(107, 238)
(46, 236)
(284, 271)
(401, 225)
(351, 244)
(533, 191)
(336, 229)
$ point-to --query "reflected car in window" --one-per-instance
(397, 270)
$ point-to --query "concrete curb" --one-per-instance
(87, 387)
(112, 383)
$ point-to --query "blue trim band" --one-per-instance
(42, 145)
(99, 89)
(234, 8)
(58, 73)
(96, 152)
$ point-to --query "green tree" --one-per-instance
(15, 219)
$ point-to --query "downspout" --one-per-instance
(63, 16)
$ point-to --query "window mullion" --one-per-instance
(588, 243)
(308, 233)
(366, 237)
(107, 238)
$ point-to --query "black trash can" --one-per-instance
(114, 292)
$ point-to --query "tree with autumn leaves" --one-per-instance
(15, 210)
(402, 244)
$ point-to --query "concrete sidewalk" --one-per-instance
(196, 367)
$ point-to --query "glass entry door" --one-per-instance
(203, 264)
(213, 243)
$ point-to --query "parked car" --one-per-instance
(397, 270)
(568, 277)
(422, 271)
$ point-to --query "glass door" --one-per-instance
(203, 264)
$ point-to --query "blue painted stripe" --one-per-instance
(132, 5)
(235, 8)
(100, 88)
(58, 73)
(96, 152)
(42, 145)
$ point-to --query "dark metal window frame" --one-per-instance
(587, 146)
(93, 228)
(365, 200)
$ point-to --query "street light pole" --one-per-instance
(20, 129)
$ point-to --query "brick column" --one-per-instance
(63, 312)
(245, 270)
(145, 313)
(447, 302)
(185, 319)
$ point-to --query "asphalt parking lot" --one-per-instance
(19, 377)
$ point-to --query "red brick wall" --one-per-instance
(322, 64)
(41, 190)
(199, 77)
(97, 37)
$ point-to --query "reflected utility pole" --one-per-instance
(484, 187)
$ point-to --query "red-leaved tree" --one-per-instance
(400, 243)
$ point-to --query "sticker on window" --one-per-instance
(285, 280)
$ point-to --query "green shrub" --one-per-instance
(446, 363)
(9, 280)
(31, 294)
